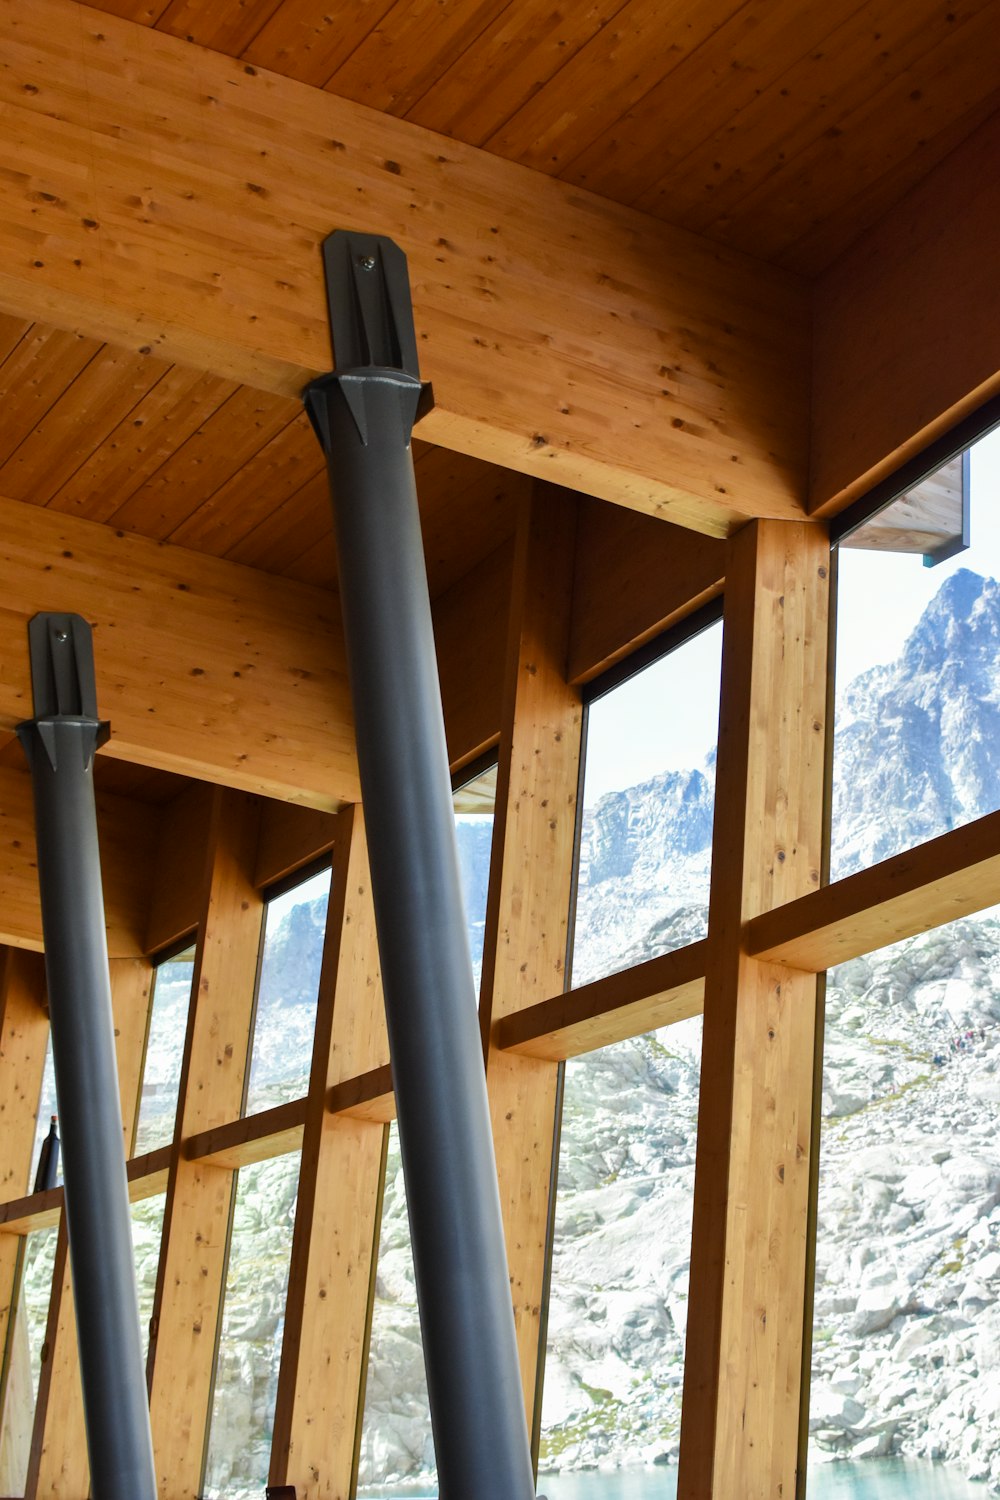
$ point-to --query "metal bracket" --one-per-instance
(371, 325)
(63, 686)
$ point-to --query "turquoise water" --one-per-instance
(878, 1479)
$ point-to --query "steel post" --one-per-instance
(60, 743)
(363, 415)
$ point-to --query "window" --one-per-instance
(396, 1440)
(907, 1320)
(648, 804)
(917, 723)
(169, 1003)
(253, 1319)
(287, 993)
(617, 1312)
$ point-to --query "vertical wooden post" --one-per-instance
(191, 1273)
(333, 1246)
(530, 885)
(58, 1466)
(742, 1372)
(24, 1030)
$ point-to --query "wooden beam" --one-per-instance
(128, 833)
(367, 1096)
(253, 1138)
(907, 331)
(334, 1248)
(191, 1272)
(634, 577)
(951, 876)
(742, 1376)
(203, 667)
(162, 196)
(531, 873)
(147, 1176)
(656, 993)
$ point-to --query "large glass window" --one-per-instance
(648, 804)
(622, 1242)
(253, 1320)
(396, 1441)
(147, 1231)
(169, 1003)
(917, 723)
(287, 993)
(906, 1338)
(622, 1249)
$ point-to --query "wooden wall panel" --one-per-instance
(634, 577)
(739, 1426)
(908, 328)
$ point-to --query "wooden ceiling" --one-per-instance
(126, 439)
(782, 127)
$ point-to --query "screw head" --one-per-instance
(62, 635)
(366, 262)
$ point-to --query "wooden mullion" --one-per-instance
(335, 1242)
(743, 1362)
(627, 1004)
(192, 1267)
(954, 875)
(529, 893)
(58, 1466)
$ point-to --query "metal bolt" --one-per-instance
(366, 262)
(62, 635)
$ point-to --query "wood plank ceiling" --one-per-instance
(781, 127)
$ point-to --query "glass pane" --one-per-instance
(288, 989)
(618, 1308)
(474, 809)
(47, 1107)
(147, 1229)
(906, 1342)
(917, 724)
(648, 803)
(396, 1441)
(161, 1072)
(253, 1319)
(24, 1357)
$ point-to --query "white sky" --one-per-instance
(666, 718)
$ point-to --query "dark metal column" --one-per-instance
(363, 415)
(60, 743)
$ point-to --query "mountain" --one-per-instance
(907, 1325)
(920, 739)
